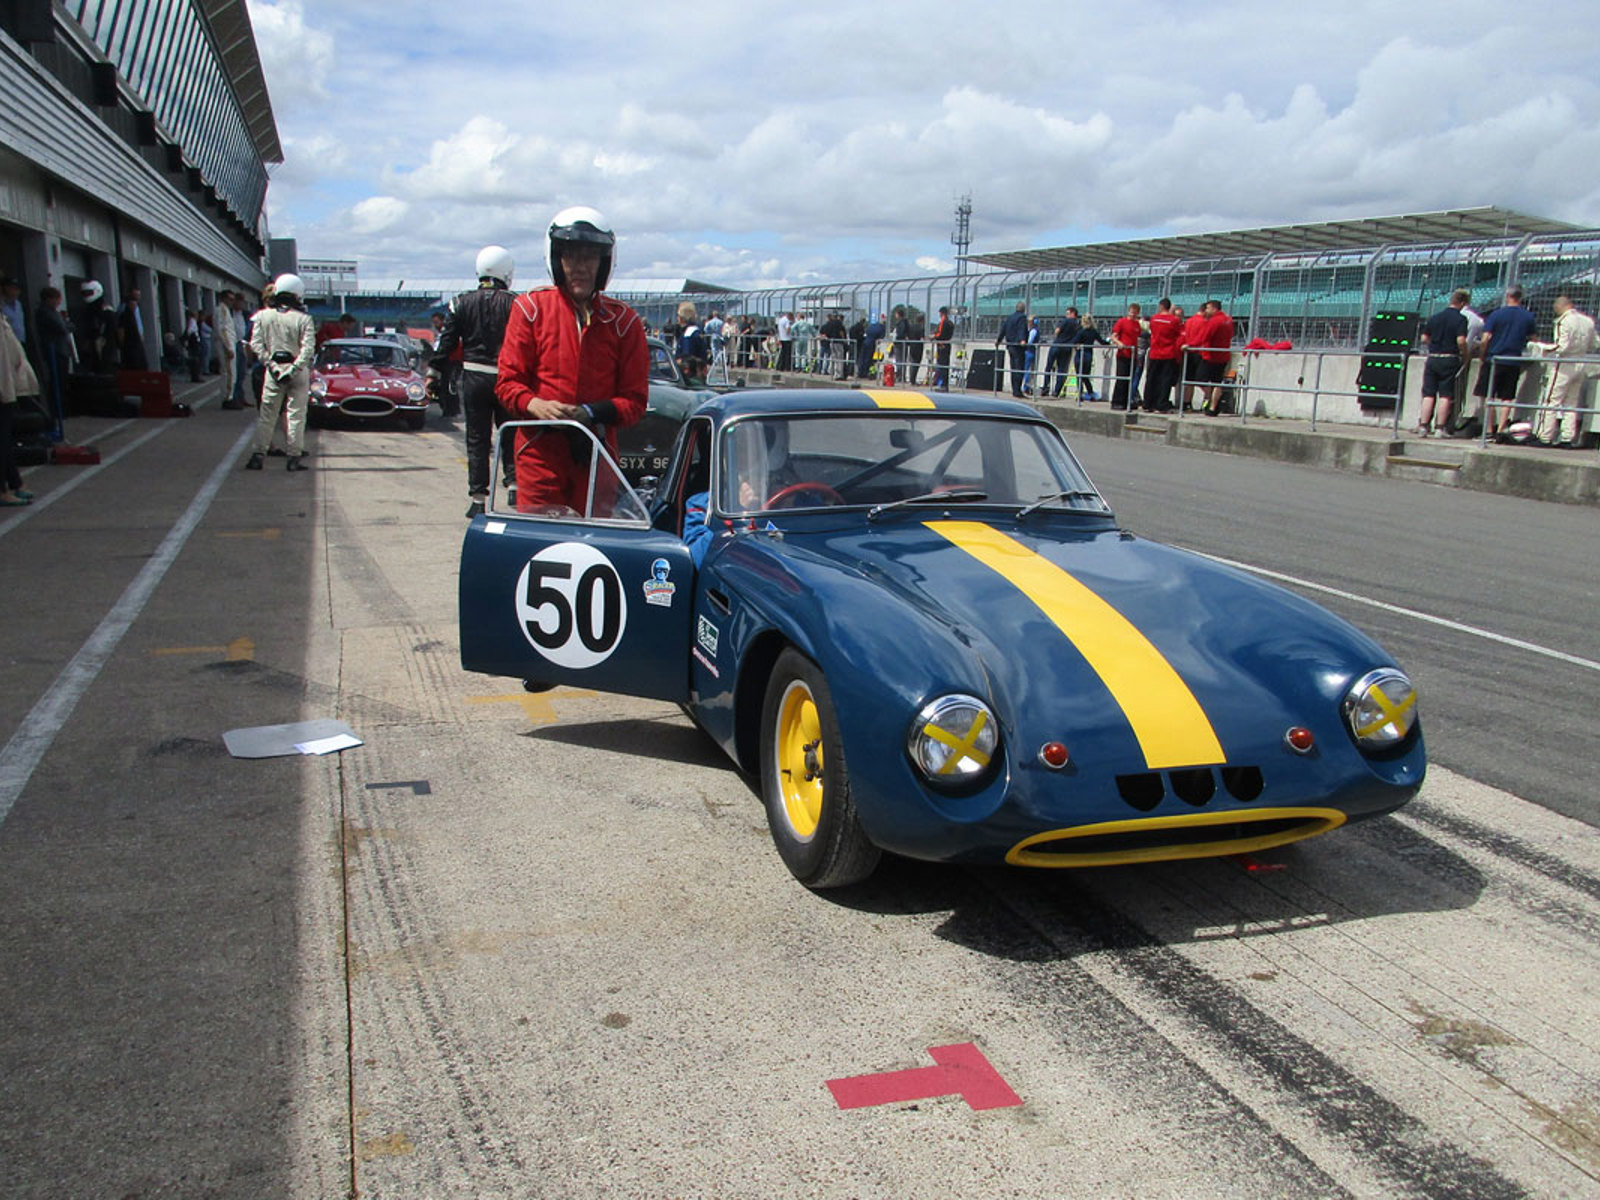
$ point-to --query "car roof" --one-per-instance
(360, 341)
(810, 401)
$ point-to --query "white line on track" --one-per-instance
(104, 433)
(44, 502)
(39, 728)
(1398, 610)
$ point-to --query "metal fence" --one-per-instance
(1313, 299)
(1554, 417)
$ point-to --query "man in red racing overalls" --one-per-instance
(571, 353)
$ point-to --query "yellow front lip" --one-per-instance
(1316, 820)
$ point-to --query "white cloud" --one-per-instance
(727, 153)
(297, 59)
(469, 161)
(378, 214)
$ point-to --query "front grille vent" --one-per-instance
(1195, 786)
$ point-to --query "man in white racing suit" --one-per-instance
(284, 340)
(1575, 338)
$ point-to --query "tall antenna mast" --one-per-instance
(961, 239)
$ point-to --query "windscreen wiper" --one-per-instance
(960, 495)
(1074, 495)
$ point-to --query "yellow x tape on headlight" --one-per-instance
(962, 747)
(1392, 712)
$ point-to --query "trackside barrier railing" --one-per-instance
(1054, 373)
(1056, 365)
(915, 360)
(1559, 375)
(1238, 386)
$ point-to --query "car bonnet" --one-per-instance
(1143, 651)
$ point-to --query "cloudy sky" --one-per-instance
(752, 144)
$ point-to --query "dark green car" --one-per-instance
(644, 447)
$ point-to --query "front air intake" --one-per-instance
(1154, 839)
(367, 406)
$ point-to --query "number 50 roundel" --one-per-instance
(570, 605)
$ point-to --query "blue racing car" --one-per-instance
(917, 623)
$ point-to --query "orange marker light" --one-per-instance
(1053, 755)
(1300, 739)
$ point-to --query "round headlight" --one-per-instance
(1381, 708)
(954, 739)
(319, 387)
(415, 391)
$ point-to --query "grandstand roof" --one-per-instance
(1368, 233)
(236, 45)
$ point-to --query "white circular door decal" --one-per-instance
(571, 606)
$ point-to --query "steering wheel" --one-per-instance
(796, 489)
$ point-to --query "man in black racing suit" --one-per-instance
(477, 323)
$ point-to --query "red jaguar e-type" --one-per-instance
(367, 378)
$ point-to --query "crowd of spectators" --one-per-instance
(1160, 351)
(1158, 360)
(798, 342)
(1503, 346)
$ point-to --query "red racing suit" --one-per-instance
(548, 355)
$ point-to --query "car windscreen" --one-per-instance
(871, 459)
(661, 365)
(360, 356)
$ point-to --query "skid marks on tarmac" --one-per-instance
(398, 674)
(1334, 1118)
(414, 1044)
(1419, 1044)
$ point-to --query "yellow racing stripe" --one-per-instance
(885, 399)
(1172, 728)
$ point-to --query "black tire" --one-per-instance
(834, 850)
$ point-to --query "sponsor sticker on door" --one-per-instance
(659, 589)
(706, 635)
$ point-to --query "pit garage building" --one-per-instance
(135, 137)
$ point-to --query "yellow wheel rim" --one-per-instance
(799, 760)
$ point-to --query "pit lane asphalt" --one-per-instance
(571, 965)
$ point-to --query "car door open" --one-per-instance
(595, 598)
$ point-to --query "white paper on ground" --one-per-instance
(327, 745)
(270, 741)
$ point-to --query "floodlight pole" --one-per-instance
(961, 239)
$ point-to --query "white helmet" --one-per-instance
(92, 290)
(289, 285)
(496, 263)
(580, 224)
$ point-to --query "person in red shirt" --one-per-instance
(1217, 340)
(1194, 332)
(571, 353)
(1125, 336)
(1161, 369)
(344, 327)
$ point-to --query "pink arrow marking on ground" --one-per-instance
(962, 1071)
